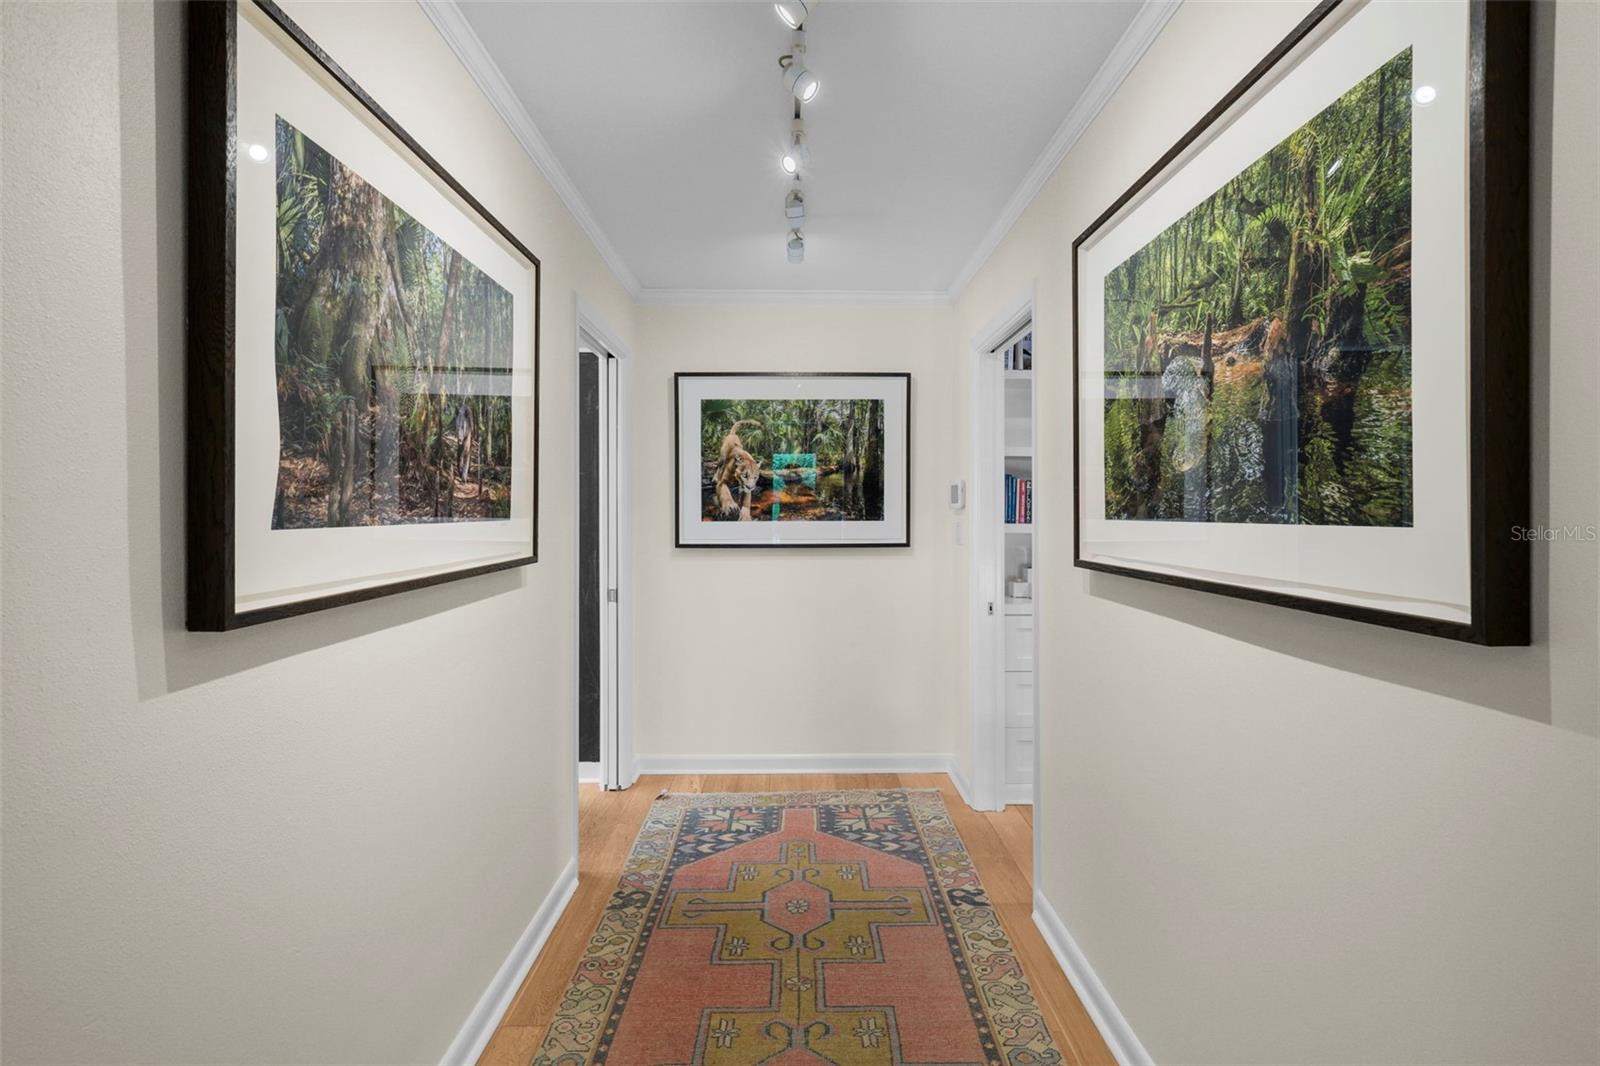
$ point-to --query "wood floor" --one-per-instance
(1000, 842)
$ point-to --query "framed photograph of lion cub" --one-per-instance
(793, 460)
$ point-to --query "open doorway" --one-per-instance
(1004, 545)
(604, 747)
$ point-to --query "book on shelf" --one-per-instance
(1019, 500)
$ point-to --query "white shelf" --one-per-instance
(1019, 376)
(1018, 527)
(1017, 451)
(1018, 606)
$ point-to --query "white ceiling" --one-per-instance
(663, 123)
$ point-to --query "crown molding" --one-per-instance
(1124, 56)
(452, 25)
(791, 296)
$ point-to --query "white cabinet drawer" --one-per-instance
(1019, 756)
(1019, 700)
(1019, 642)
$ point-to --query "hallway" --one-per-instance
(1000, 843)
(828, 424)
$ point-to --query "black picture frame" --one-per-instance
(211, 31)
(677, 474)
(1498, 108)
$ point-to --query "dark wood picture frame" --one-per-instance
(1498, 109)
(212, 145)
(677, 472)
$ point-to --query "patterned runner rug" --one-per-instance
(799, 928)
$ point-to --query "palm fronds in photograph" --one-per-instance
(1258, 350)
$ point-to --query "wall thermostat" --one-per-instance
(958, 495)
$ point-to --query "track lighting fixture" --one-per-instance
(803, 85)
(792, 12)
(796, 78)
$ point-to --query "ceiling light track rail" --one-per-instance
(803, 85)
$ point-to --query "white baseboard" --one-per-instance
(958, 779)
(792, 764)
(588, 773)
(1010, 794)
(480, 1025)
(1114, 1028)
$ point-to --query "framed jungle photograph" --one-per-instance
(793, 460)
(1301, 338)
(362, 342)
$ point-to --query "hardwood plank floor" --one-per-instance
(1000, 842)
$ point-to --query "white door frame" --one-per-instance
(986, 631)
(616, 769)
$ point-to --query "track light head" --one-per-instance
(798, 154)
(794, 208)
(800, 81)
(792, 12)
(796, 78)
(797, 247)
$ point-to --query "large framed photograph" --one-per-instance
(362, 347)
(1301, 338)
(793, 460)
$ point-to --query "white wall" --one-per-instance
(318, 839)
(789, 651)
(1285, 838)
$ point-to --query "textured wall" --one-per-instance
(316, 840)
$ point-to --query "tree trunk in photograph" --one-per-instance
(1208, 374)
(488, 437)
(385, 433)
(1152, 424)
(1286, 413)
(441, 359)
(450, 490)
(481, 452)
(1343, 361)
(1236, 297)
(872, 477)
(354, 244)
(342, 464)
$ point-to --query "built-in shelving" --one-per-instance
(1017, 544)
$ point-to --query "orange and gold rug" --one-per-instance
(801, 927)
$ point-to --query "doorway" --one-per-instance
(1004, 546)
(604, 748)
